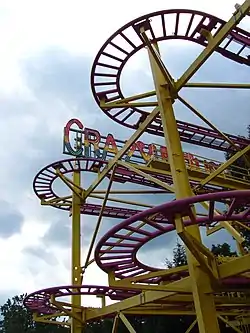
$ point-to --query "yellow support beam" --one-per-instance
(127, 100)
(126, 202)
(98, 223)
(122, 151)
(213, 44)
(145, 287)
(221, 85)
(236, 329)
(223, 224)
(195, 174)
(126, 323)
(70, 313)
(232, 231)
(204, 303)
(132, 191)
(76, 250)
(218, 85)
(160, 273)
(153, 48)
(68, 182)
(173, 312)
(206, 121)
(191, 326)
(224, 166)
(147, 176)
(115, 324)
(235, 266)
(113, 105)
(199, 251)
(50, 319)
(143, 298)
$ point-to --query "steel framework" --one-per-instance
(209, 288)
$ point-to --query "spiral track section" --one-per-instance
(117, 250)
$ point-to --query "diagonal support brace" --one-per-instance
(126, 323)
(155, 54)
(73, 187)
(224, 166)
(123, 151)
(147, 176)
(213, 44)
(199, 251)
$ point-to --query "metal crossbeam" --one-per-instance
(138, 300)
(154, 50)
(206, 121)
(123, 151)
(241, 265)
(224, 166)
(127, 323)
(147, 176)
(213, 44)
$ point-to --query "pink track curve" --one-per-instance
(44, 181)
(126, 238)
(163, 25)
(39, 301)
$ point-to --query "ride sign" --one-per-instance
(89, 143)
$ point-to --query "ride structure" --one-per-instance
(207, 288)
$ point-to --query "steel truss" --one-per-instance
(208, 287)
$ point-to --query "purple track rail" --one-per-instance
(117, 250)
(127, 238)
(130, 238)
(45, 179)
(164, 25)
(39, 301)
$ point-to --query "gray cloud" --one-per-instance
(57, 75)
(42, 253)
(60, 230)
(11, 220)
(59, 84)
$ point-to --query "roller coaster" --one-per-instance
(203, 192)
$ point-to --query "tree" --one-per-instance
(240, 162)
(223, 250)
(17, 318)
(244, 172)
(179, 257)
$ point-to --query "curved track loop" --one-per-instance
(117, 250)
(164, 25)
(39, 301)
(129, 236)
(44, 182)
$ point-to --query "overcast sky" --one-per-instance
(47, 49)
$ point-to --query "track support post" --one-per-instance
(204, 303)
(76, 327)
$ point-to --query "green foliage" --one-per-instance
(223, 250)
(99, 326)
(241, 162)
(179, 257)
(17, 319)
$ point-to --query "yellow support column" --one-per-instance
(204, 303)
(76, 250)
